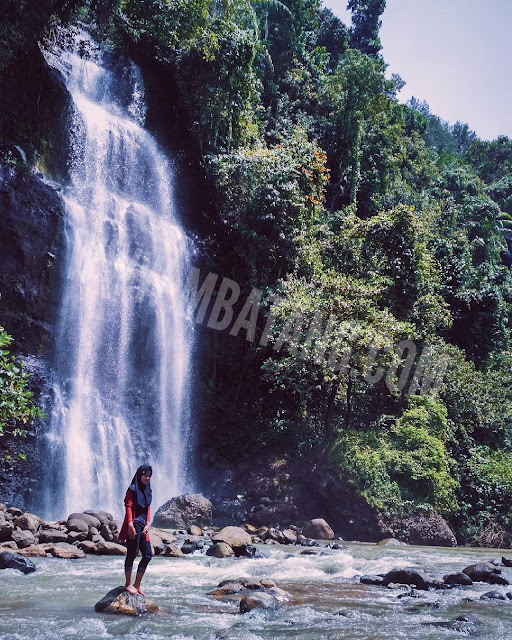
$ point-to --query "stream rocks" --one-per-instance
(485, 572)
(119, 601)
(252, 594)
(29, 535)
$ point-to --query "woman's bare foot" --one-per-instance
(140, 592)
(131, 589)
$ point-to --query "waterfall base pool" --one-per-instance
(57, 601)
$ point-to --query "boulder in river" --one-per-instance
(506, 562)
(6, 529)
(318, 529)
(459, 578)
(413, 577)
(183, 511)
(78, 525)
(481, 571)
(257, 600)
(493, 595)
(466, 624)
(10, 560)
(172, 551)
(220, 550)
(236, 537)
(120, 601)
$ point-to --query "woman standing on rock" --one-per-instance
(135, 529)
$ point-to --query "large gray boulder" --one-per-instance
(52, 535)
(23, 538)
(88, 518)
(183, 511)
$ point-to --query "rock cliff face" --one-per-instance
(31, 252)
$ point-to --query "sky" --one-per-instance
(455, 54)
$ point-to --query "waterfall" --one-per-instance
(122, 364)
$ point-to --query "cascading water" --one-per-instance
(124, 341)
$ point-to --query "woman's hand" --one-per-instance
(145, 530)
(131, 531)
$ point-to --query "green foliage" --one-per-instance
(16, 404)
(366, 25)
(271, 198)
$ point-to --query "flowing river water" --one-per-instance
(57, 601)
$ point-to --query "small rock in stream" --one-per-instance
(463, 624)
(10, 560)
(493, 595)
(120, 601)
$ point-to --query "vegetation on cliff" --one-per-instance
(331, 196)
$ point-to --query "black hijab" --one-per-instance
(143, 492)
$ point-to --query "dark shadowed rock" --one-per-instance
(52, 535)
(429, 529)
(374, 580)
(495, 578)
(6, 530)
(506, 562)
(481, 571)
(459, 578)
(463, 624)
(183, 511)
(10, 560)
(23, 538)
(414, 577)
(493, 595)
(121, 602)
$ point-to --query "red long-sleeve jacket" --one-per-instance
(130, 500)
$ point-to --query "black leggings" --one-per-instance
(133, 545)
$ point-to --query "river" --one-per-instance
(57, 601)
